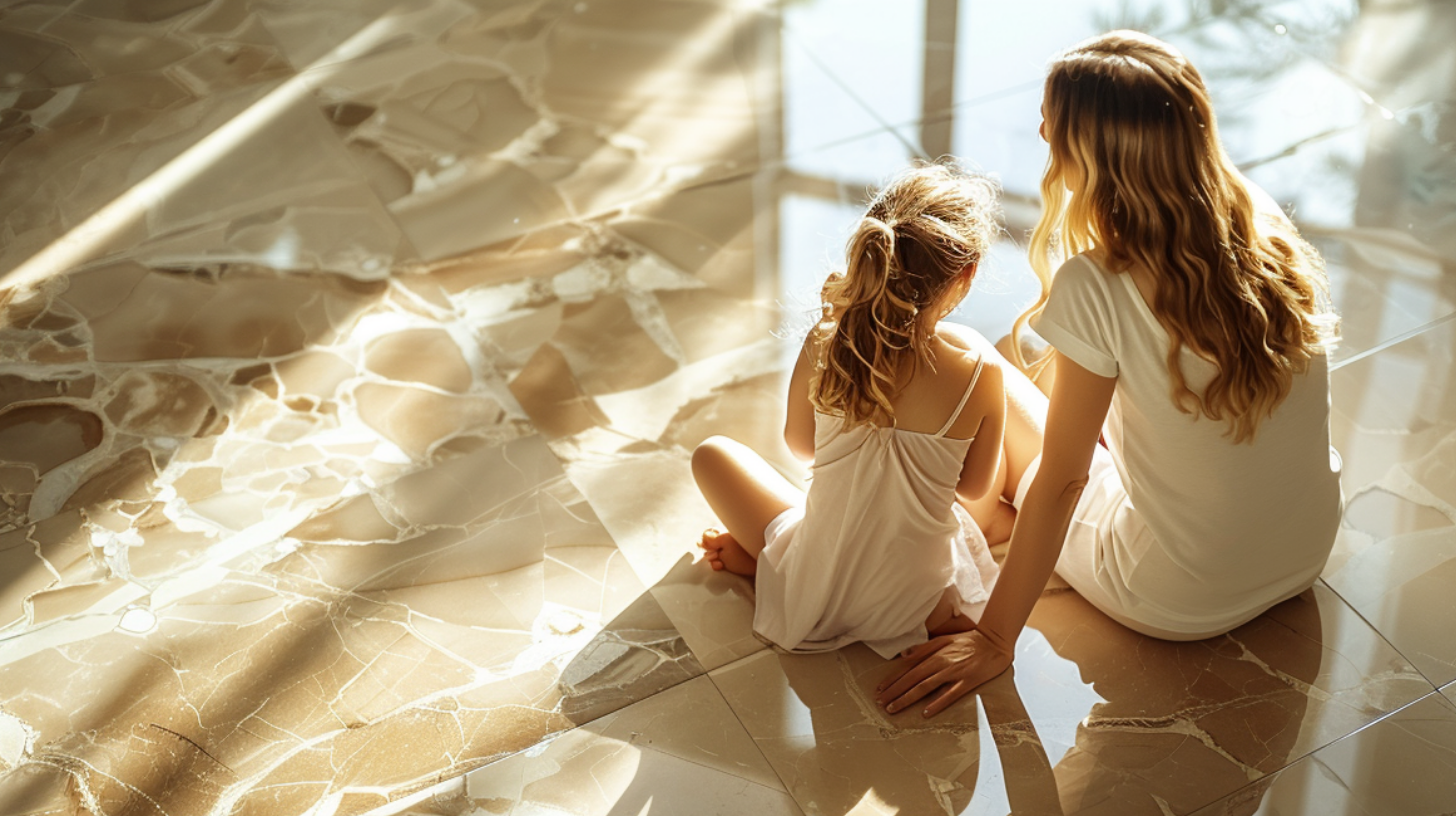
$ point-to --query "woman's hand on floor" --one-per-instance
(959, 663)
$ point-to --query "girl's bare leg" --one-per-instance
(994, 516)
(746, 493)
(944, 620)
(1043, 379)
(1026, 412)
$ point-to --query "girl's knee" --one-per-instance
(710, 453)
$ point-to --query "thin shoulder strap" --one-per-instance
(962, 404)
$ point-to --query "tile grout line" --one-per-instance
(1310, 753)
(744, 726)
(1380, 634)
(717, 691)
(1281, 769)
(739, 720)
(1394, 341)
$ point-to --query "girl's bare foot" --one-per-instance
(722, 551)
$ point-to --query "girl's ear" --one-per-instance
(969, 270)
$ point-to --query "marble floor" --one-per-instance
(353, 351)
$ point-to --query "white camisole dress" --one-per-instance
(877, 543)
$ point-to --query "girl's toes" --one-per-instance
(714, 559)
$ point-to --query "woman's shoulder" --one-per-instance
(1086, 279)
(1091, 268)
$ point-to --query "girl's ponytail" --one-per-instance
(905, 256)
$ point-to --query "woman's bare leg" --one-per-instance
(746, 493)
(1026, 410)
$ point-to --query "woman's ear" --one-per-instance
(969, 270)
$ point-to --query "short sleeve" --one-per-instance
(1078, 320)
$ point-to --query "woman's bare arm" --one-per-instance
(961, 662)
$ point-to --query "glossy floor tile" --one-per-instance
(1395, 560)
(680, 751)
(1404, 764)
(352, 354)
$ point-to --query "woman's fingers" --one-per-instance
(953, 692)
(910, 658)
(901, 669)
(914, 666)
(901, 692)
(902, 664)
(960, 663)
(929, 647)
(919, 690)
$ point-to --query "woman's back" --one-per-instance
(1232, 525)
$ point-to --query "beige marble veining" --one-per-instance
(95, 100)
(460, 585)
(536, 114)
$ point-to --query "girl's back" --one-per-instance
(881, 537)
(899, 416)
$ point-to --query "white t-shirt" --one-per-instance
(1234, 526)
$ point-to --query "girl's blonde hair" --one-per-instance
(904, 260)
(1137, 169)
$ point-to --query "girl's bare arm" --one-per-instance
(978, 473)
(799, 413)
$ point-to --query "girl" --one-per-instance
(1190, 326)
(900, 415)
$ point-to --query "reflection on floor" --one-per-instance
(353, 352)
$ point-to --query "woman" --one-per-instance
(1189, 326)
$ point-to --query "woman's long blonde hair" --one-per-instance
(1137, 170)
(904, 262)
